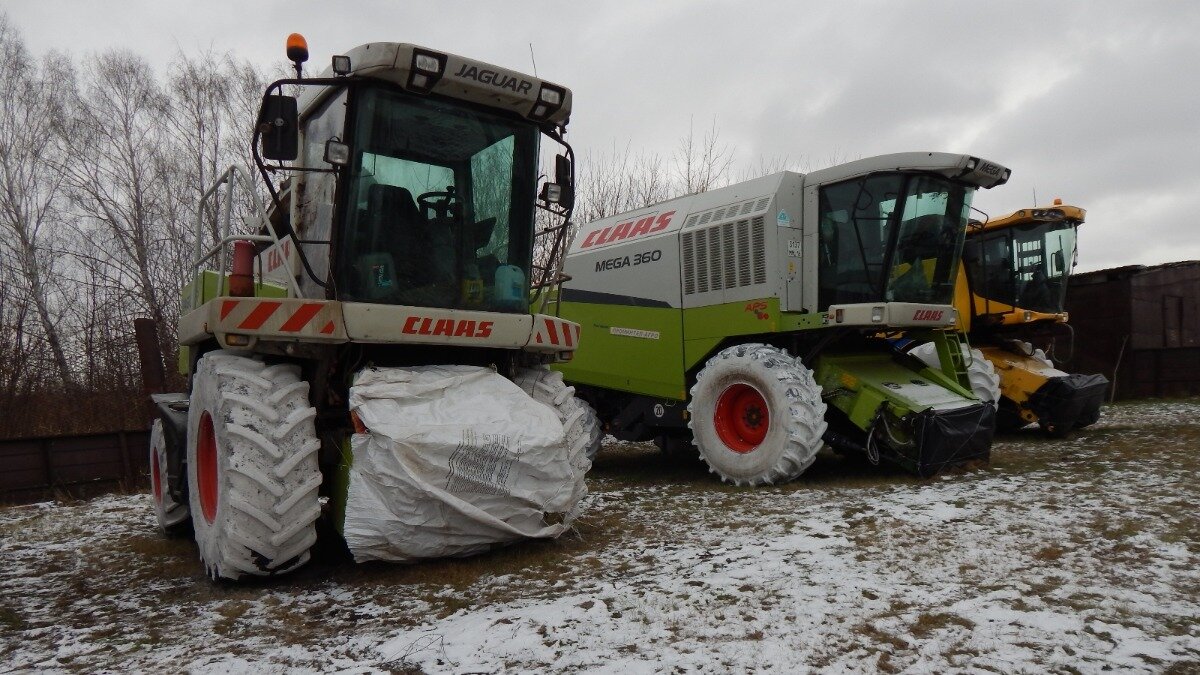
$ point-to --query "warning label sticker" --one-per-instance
(634, 332)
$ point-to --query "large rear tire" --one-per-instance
(756, 415)
(173, 517)
(252, 466)
(580, 423)
(985, 382)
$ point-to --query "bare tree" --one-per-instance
(702, 163)
(212, 108)
(617, 181)
(119, 178)
(29, 186)
(16, 354)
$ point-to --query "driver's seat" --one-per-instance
(398, 230)
(392, 207)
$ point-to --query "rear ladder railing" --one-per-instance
(232, 177)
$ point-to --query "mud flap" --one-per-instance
(1064, 403)
(948, 437)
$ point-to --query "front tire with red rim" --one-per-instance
(252, 466)
(756, 415)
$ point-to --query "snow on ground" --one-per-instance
(1079, 555)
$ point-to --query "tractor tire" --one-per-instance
(252, 466)
(756, 415)
(985, 383)
(580, 423)
(173, 517)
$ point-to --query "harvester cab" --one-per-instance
(1017, 266)
(1010, 297)
(752, 320)
(405, 228)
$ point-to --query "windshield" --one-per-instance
(891, 237)
(439, 207)
(1023, 267)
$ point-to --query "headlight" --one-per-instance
(427, 63)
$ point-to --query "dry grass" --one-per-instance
(1049, 553)
(927, 623)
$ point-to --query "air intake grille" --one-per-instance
(729, 211)
(758, 262)
(689, 263)
(725, 256)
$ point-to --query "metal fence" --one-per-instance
(33, 469)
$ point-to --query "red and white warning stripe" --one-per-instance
(554, 333)
(282, 316)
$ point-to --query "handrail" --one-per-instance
(200, 256)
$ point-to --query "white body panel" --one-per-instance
(896, 314)
(329, 321)
(277, 260)
(756, 239)
(462, 78)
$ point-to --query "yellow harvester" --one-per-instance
(1010, 297)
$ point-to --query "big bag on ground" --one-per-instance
(455, 460)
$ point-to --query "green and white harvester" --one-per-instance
(758, 321)
(400, 233)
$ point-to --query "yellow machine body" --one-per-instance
(1022, 249)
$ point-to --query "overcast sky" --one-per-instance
(1095, 102)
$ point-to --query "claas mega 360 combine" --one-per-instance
(753, 321)
(1011, 295)
(403, 234)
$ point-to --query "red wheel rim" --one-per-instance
(742, 418)
(206, 468)
(154, 479)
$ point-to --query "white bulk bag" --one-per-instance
(455, 460)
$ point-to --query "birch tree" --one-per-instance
(30, 110)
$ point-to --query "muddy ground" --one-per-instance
(1077, 555)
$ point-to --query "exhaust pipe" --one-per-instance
(154, 380)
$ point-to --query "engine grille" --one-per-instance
(725, 256)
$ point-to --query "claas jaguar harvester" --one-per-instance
(1010, 296)
(400, 232)
(755, 321)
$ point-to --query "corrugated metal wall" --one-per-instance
(32, 469)
(1148, 318)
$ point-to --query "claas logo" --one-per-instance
(629, 229)
(424, 325)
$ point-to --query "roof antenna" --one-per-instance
(1035, 197)
(533, 59)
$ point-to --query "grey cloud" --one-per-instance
(1096, 102)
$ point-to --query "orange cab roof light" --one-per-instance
(297, 51)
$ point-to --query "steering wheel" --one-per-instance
(438, 203)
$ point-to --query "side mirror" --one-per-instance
(562, 170)
(278, 124)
